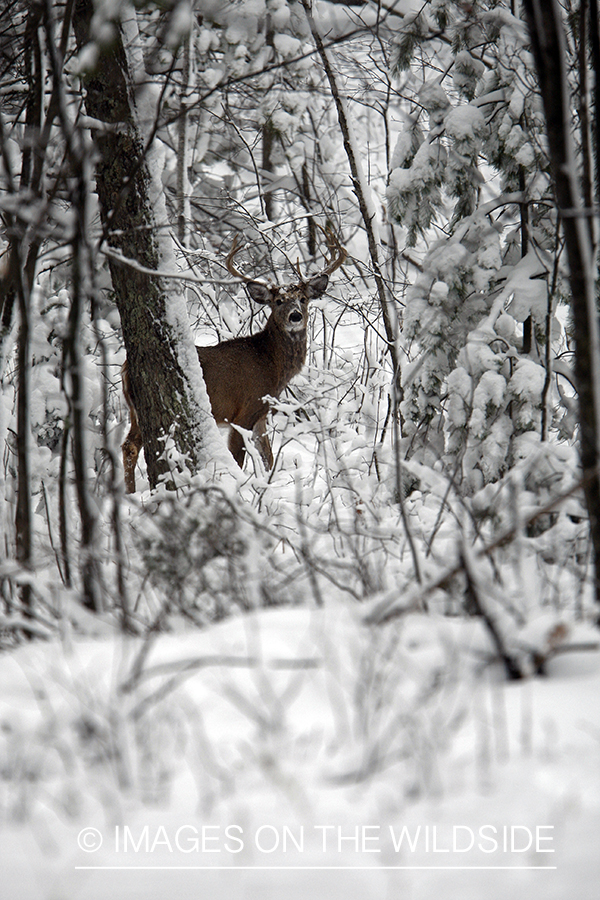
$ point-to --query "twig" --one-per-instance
(513, 670)
(188, 667)
(385, 610)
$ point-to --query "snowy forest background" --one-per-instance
(397, 625)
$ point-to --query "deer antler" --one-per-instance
(337, 253)
(336, 256)
(229, 261)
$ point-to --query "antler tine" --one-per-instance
(338, 253)
(229, 262)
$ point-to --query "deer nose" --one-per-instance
(295, 318)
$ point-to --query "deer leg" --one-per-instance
(131, 447)
(133, 443)
(236, 446)
(263, 443)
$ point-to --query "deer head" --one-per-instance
(289, 305)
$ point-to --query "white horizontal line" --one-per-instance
(309, 868)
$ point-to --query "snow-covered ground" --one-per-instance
(296, 753)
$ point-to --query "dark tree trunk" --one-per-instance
(22, 268)
(547, 39)
(268, 138)
(528, 323)
(159, 387)
(82, 290)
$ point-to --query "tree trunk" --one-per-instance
(22, 260)
(166, 380)
(547, 39)
(268, 138)
(183, 206)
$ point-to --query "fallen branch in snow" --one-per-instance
(392, 606)
(183, 666)
(24, 625)
(182, 669)
(512, 665)
(581, 647)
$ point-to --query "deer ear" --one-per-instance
(317, 286)
(260, 293)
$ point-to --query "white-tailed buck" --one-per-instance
(241, 372)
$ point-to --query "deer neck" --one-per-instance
(287, 350)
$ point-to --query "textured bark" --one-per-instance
(158, 385)
(21, 271)
(82, 290)
(547, 39)
(182, 145)
(268, 140)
